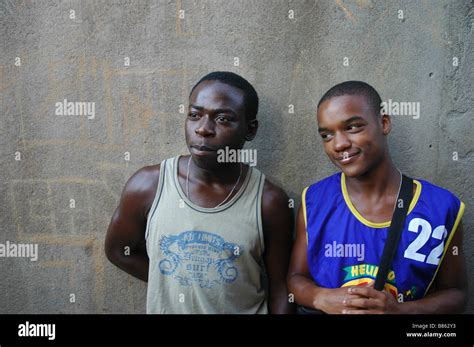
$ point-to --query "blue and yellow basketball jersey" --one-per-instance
(345, 249)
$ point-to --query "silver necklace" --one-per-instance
(227, 197)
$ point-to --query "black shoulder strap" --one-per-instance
(395, 231)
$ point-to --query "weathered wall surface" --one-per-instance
(78, 50)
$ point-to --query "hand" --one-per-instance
(367, 300)
(332, 300)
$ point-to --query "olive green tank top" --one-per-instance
(205, 260)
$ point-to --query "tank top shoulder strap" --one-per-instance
(165, 167)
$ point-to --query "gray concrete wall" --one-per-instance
(290, 61)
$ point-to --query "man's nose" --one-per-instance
(205, 127)
(341, 142)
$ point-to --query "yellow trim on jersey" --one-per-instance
(303, 203)
(361, 219)
(446, 246)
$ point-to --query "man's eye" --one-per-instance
(354, 127)
(326, 137)
(193, 115)
(222, 119)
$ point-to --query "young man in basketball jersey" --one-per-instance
(344, 219)
(209, 235)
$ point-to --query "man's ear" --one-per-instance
(252, 127)
(386, 124)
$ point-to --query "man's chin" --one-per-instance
(352, 171)
(207, 161)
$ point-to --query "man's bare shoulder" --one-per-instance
(274, 196)
(276, 213)
(144, 180)
(140, 189)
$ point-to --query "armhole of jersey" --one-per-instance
(448, 242)
(261, 183)
(156, 199)
(303, 203)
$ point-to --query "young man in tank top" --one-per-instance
(344, 219)
(208, 235)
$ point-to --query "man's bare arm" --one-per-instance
(277, 219)
(300, 282)
(125, 239)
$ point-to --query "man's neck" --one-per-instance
(223, 174)
(379, 181)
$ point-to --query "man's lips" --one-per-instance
(347, 157)
(203, 148)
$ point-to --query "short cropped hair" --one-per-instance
(355, 88)
(234, 80)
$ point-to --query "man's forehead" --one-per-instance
(217, 93)
(344, 106)
(346, 101)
